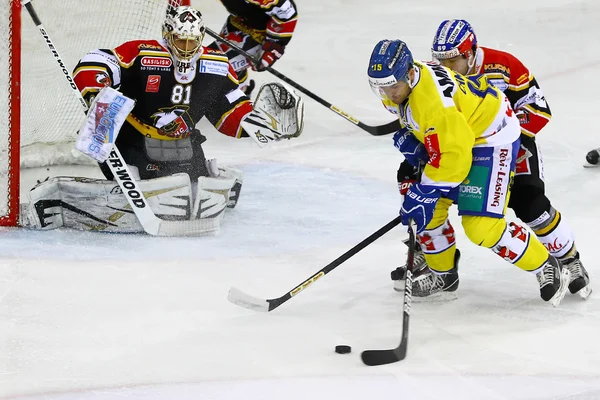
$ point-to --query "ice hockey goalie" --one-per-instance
(174, 82)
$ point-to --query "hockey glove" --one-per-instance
(272, 51)
(406, 176)
(419, 205)
(413, 150)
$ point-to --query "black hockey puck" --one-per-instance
(342, 349)
(592, 157)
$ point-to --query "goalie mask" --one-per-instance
(184, 30)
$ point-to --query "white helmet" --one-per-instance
(184, 31)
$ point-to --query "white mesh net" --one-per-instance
(50, 112)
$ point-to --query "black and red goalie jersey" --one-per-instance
(171, 95)
(508, 74)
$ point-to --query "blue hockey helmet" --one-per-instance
(391, 62)
(453, 38)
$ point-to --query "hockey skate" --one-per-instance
(419, 265)
(428, 285)
(580, 280)
(553, 280)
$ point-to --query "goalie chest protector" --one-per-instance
(163, 87)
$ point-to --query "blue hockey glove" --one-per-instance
(419, 204)
(411, 148)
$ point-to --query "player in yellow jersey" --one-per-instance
(466, 133)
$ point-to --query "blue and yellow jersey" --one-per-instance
(450, 114)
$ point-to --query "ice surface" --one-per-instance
(96, 316)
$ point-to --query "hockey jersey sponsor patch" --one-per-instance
(432, 145)
(523, 79)
(214, 67)
(163, 62)
(149, 46)
(500, 84)
(153, 84)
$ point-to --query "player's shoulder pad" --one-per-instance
(212, 54)
(502, 62)
(129, 51)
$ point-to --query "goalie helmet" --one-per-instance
(453, 38)
(184, 30)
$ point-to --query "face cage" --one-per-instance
(182, 53)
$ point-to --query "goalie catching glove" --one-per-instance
(278, 114)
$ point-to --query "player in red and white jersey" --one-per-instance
(455, 46)
(263, 28)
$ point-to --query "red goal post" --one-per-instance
(39, 115)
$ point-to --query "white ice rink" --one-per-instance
(97, 316)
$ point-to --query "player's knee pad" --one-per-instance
(214, 193)
(510, 241)
(519, 247)
(439, 246)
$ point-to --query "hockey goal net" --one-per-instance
(39, 114)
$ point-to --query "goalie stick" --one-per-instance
(380, 130)
(381, 357)
(242, 299)
(150, 222)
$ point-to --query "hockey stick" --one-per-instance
(381, 357)
(388, 128)
(242, 299)
(150, 222)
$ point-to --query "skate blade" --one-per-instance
(439, 297)
(399, 286)
(565, 276)
(585, 292)
(586, 165)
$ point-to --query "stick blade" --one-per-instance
(381, 357)
(242, 299)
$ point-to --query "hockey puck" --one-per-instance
(592, 157)
(342, 349)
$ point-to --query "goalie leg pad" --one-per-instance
(237, 178)
(214, 193)
(99, 205)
